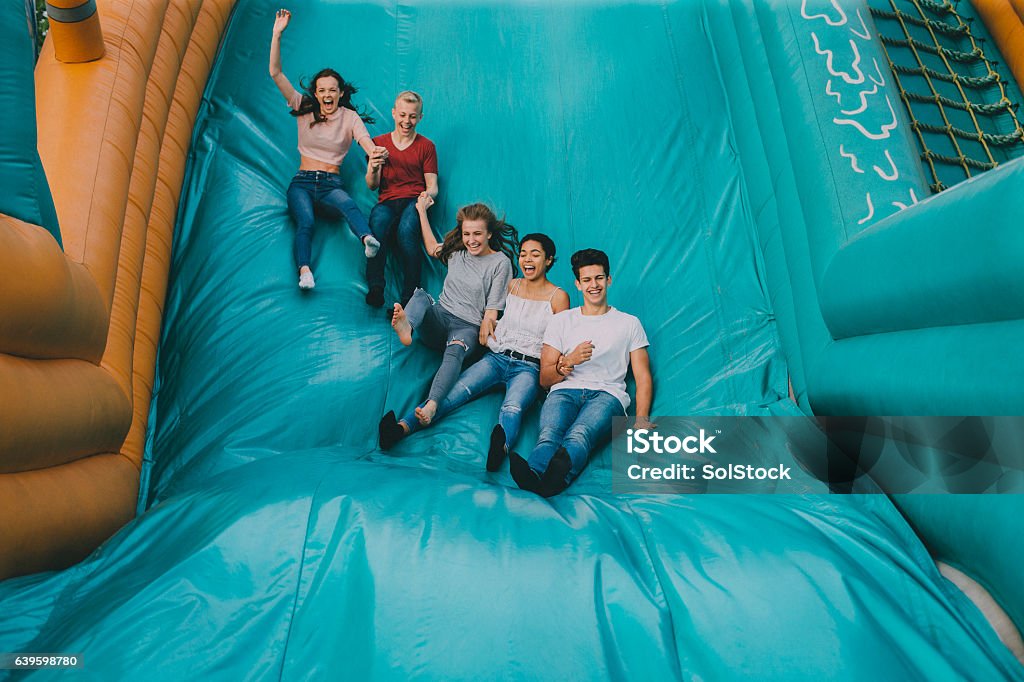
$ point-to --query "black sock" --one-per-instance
(496, 451)
(389, 431)
(554, 479)
(525, 477)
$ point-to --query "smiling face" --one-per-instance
(533, 261)
(475, 236)
(407, 115)
(328, 92)
(594, 283)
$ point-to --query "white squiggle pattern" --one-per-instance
(872, 86)
(863, 101)
(852, 157)
(885, 132)
(830, 91)
(913, 200)
(893, 174)
(881, 79)
(829, 55)
(871, 211)
(866, 35)
(841, 21)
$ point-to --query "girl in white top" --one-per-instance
(328, 124)
(514, 361)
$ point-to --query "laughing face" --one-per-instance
(474, 236)
(328, 92)
(406, 115)
(533, 261)
(594, 283)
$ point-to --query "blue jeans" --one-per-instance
(408, 240)
(320, 192)
(577, 419)
(522, 385)
(437, 328)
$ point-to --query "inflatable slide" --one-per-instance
(813, 206)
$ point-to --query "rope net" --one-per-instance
(960, 112)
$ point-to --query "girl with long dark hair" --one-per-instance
(328, 123)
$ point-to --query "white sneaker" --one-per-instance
(306, 280)
(371, 246)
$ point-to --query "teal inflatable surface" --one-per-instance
(26, 195)
(278, 542)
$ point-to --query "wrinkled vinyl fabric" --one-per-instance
(279, 543)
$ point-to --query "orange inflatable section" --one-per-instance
(80, 328)
(1004, 19)
(77, 41)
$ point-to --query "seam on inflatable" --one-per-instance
(634, 516)
(301, 573)
(697, 170)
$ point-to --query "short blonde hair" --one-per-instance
(410, 97)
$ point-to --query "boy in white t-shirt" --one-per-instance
(586, 354)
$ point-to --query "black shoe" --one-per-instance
(497, 450)
(554, 479)
(389, 431)
(375, 297)
(525, 477)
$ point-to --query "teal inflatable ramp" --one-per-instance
(690, 141)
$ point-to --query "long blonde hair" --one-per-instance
(501, 237)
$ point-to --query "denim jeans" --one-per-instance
(522, 385)
(437, 328)
(408, 240)
(577, 419)
(320, 192)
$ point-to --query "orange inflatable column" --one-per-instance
(75, 27)
(1004, 19)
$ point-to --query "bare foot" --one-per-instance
(402, 327)
(426, 413)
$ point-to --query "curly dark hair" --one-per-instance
(546, 243)
(502, 236)
(310, 104)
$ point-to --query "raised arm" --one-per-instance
(280, 80)
(430, 242)
(640, 363)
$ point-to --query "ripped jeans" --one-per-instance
(437, 328)
(522, 385)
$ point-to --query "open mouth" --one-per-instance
(529, 269)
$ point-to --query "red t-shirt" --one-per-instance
(402, 175)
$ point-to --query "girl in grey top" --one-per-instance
(515, 351)
(479, 253)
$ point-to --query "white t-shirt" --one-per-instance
(615, 335)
